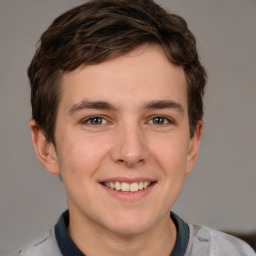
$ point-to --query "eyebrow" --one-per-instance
(91, 105)
(164, 104)
(103, 105)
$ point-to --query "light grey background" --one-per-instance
(221, 190)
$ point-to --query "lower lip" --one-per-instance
(129, 196)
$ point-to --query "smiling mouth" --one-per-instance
(126, 187)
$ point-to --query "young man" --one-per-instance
(117, 112)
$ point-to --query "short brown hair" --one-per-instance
(103, 29)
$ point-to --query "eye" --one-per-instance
(95, 120)
(160, 120)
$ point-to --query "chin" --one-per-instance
(129, 224)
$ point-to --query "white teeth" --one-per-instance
(141, 185)
(111, 184)
(145, 184)
(134, 187)
(117, 185)
(126, 187)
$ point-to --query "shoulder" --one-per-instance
(216, 243)
(46, 245)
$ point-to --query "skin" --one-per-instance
(141, 132)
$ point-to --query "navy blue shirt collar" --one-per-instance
(182, 236)
(67, 246)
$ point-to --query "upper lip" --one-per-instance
(127, 180)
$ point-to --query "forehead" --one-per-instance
(142, 75)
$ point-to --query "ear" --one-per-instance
(194, 145)
(45, 150)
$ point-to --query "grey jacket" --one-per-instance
(202, 242)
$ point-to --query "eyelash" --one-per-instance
(91, 118)
(163, 118)
(151, 120)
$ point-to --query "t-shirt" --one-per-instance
(192, 240)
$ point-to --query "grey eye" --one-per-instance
(96, 120)
(160, 120)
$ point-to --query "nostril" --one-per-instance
(131, 162)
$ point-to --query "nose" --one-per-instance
(130, 147)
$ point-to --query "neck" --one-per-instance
(93, 239)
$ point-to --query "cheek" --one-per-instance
(171, 153)
(82, 156)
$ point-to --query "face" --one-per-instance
(123, 146)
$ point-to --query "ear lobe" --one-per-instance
(194, 147)
(45, 150)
